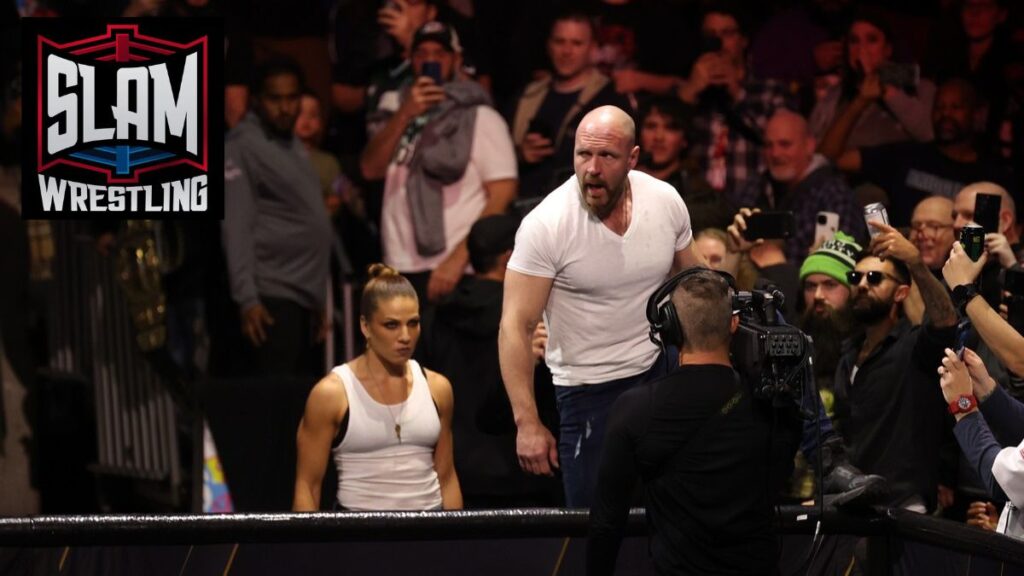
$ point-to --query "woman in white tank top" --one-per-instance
(382, 419)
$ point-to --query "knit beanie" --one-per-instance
(834, 258)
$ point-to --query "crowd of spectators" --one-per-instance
(418, 132)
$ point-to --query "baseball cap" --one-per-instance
(439, 32)
(491, 236)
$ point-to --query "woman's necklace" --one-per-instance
(396, 420)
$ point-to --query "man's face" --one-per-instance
(872, 303)
(278, 104)
(734, 43)
(952, 116)
(602, 160)
(867, 47)
(569, 48)
(659, 138)
(787, 150)
(980, 18)
(430, 51)
(931, 231)
(824, 295)
(309, 124)
(963, 210)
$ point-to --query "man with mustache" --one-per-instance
(887, 406)
(825, 315)
(587, 257)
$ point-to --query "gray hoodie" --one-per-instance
(276, 231)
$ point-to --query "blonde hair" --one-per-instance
(746, 273)
(384, 283)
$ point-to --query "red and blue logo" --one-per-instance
(127, 120)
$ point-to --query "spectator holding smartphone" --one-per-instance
(886, 404)
(869, 101)
(548, 111)
(446, 160)
(960, 273)
(1002, 244)
(801, 181)
(731, 108)
(986, 421)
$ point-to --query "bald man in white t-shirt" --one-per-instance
(586, 259)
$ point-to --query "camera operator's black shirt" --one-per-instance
(700, 444)
(892, 416)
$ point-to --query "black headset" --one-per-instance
(666, 329)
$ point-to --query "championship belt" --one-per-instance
(143, 259)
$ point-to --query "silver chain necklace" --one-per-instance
(380, 390)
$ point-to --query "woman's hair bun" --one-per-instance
(380, 270)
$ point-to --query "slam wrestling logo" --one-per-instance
(123, 119)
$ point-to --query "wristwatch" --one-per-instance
(963, 294)
(963, 404)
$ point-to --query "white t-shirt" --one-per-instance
(491, 158)
(595, 315)
(1008, 470)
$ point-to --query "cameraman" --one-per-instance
(695, 438)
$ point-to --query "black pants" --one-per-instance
(290, 348)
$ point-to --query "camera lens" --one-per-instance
(822, 219)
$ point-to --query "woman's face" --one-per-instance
(393, 329)
(867, 47)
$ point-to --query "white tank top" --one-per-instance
(375, 470)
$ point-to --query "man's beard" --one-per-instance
(873, 313)
(613, 196)
(828, 331)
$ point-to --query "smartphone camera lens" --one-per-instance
(822, 219)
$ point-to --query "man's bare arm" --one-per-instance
(524, 302)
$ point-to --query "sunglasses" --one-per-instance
(875, 277)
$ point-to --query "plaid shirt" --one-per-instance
(728, 146)
(822, 190)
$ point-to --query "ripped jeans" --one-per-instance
(583, 415)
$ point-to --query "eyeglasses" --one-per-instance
(932, 228)
(875, 277)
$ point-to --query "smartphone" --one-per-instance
(432, 70)
(902, 76)
(875, 212)
(986, 211)
(770, 225)
(539, 126)
(826, 225)
(1013, 284)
